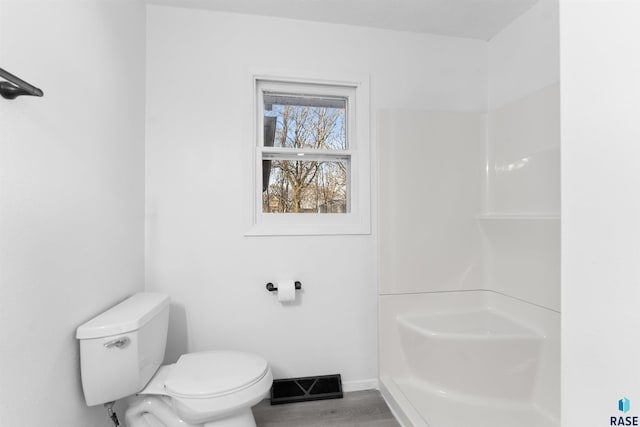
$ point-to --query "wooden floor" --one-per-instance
(356, 409)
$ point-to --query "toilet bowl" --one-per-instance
(121, 352)
(214, 388)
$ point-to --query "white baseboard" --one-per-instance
(359, 385)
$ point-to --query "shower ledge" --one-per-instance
(518, 216)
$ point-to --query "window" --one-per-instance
(312, 158)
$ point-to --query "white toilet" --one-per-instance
(121, 352)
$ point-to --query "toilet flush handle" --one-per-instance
(118, 342)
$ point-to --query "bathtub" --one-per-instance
(479, 353)
(469, 359)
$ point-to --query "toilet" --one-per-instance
(121, 355)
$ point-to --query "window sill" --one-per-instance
(316, 228)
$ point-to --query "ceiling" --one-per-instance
(476, 19)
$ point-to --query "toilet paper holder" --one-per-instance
(271, 287)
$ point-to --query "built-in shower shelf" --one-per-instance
(518, 216)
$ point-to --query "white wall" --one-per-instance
(199, 139)
(600, 209)
(524, 57)
(431, 179)
(523, 155)
(521, 224)
(523, 164)
(521, 227)
(71, 195)
(443, 170)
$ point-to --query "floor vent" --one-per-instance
(290, 390)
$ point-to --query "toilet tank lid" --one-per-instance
(129, 315)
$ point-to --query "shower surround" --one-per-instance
(469, 305)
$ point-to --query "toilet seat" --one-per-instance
(212, 374)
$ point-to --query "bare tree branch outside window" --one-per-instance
(307, 186)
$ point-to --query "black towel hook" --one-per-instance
(15, 86)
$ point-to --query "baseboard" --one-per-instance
(359, 385)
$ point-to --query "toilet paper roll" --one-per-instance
(286, 290)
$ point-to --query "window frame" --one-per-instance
(357, 219)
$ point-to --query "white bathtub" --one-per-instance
(469, 359)
(480, 353)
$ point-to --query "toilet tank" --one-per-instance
(122, 348)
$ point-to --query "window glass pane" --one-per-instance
(296, 186)
(305, 122)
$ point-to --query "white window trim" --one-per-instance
(358, 219)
